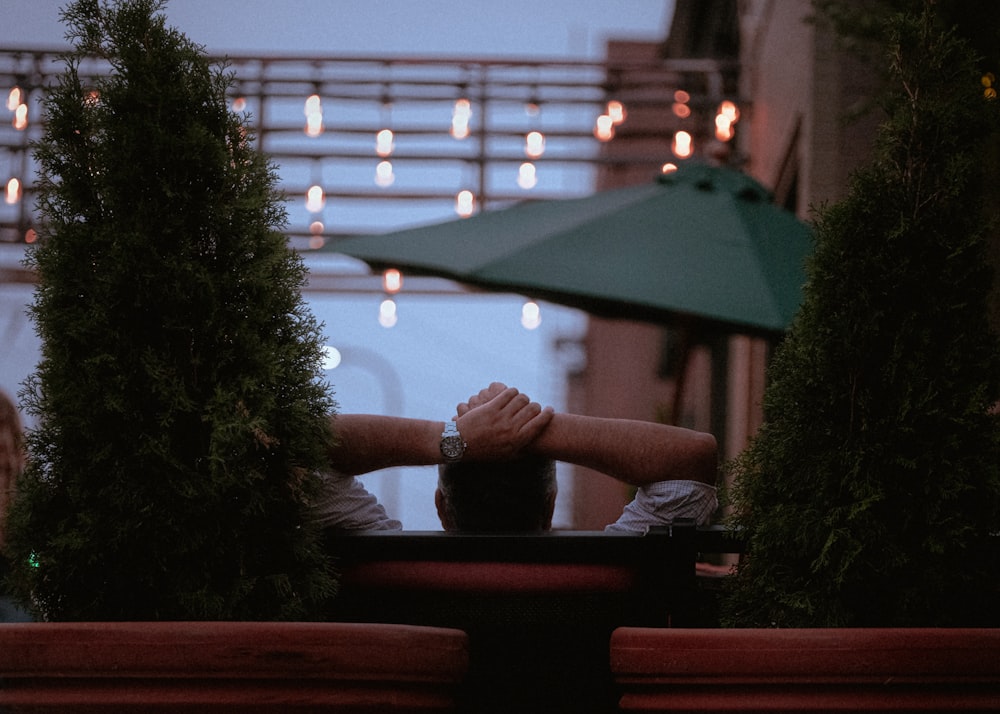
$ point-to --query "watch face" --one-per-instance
(452, 447)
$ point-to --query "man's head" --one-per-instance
(509, 496)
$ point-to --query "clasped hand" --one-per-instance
(499, 422)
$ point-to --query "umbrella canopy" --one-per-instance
(702, 242)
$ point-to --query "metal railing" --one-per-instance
(362, 183)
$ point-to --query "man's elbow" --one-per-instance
(706, 462)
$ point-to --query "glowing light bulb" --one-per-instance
(527, 176)
(531, 315)
(314, 116)
(313, 104)
(683, 145)
(465, 203)
(239, 104)
(723, 128)
(534, 144)
(730, 111)
(387, 316)
(331, 357)
(383, 174)
(30, 236)
(604, 129)
(681, 111)
(21, 117)
(315, 199)
(15, 98)
(13, 193)
(668, 168)
(392, 281)
(461, 116)
(728, 114)
(384, 143)
(616, 110)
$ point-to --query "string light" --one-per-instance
(384, 145)
(531, 315)
(15, 98)
(331, 357)
(315, 199)
(13, 193)
(727, 115)
(534, 144)
(465, 203)
(384, 176)
(461, 116)
(683, 145)
(392, 281)
(21, 117)
(604, 129)
(680, 107)
(616, 110)
(314, 116)
(988, 80)
(316, 239)
(387, 316)
(526, 175)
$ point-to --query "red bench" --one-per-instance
(229, 666)
(807, 670)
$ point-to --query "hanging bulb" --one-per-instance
(461, 116)
(616, 110)
(383, 174)
(316, 239)
(531, 315)
(728, 114)
(21, 117)
(534, 144)
(392, 281)
(315, 199)
(15, 98)
(682, 145)
(526, 176)
(13, 193)
(604, 129)
(387, 316)
(465, 203)
(314, 116)
(384, 143)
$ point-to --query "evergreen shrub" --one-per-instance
(180, 412)
(870, 493)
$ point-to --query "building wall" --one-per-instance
(800, 138)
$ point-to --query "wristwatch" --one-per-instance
(452, 446)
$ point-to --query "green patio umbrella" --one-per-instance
(702, 242)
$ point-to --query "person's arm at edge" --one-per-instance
(632, 451)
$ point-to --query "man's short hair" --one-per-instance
(511, 496)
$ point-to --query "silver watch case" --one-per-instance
(452, 445)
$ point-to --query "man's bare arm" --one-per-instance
(636, 452)
(496, 429)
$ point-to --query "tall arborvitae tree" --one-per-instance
(180, 412)
(870, 492)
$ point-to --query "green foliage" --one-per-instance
(869, 493)
(181, 415)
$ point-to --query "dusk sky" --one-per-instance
(443, 348)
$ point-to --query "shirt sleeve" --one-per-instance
(663, 502)
(345, 504)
